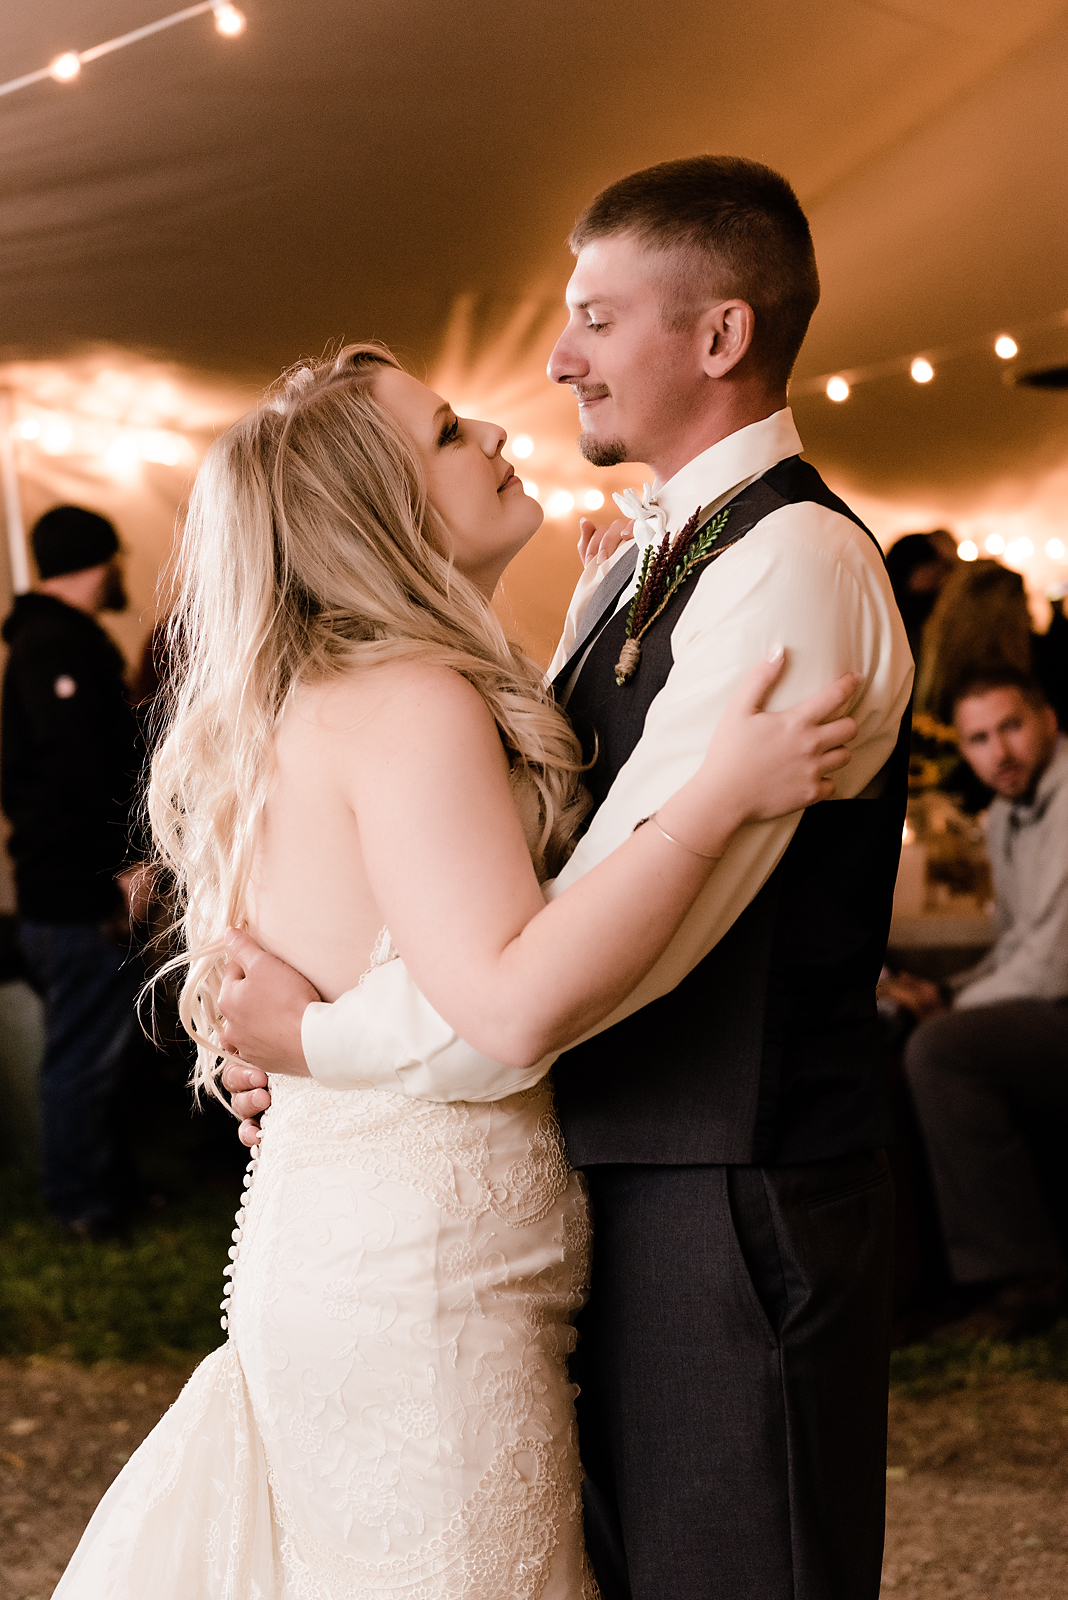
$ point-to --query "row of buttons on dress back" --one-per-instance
(238, 1234)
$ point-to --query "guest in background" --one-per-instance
(981, 622)
(918, 565)
(70, 764)
(995, 1053)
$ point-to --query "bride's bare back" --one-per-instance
(439, 822)
(310, 901)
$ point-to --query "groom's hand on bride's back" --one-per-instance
(263, 1001)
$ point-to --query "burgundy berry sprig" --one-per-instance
(662, 576)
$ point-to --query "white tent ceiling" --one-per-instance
(347, 169)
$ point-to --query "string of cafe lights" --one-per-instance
(229, 21)
(923, 367)
(126, 450)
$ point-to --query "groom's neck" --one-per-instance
(729, 412)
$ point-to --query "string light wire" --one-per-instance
(838, 385)
(228, 20)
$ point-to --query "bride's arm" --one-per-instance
(428, 781)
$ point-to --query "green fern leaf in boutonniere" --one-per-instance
(664, 571)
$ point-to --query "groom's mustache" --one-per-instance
(591, 391)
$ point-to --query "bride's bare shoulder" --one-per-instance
(417, 696)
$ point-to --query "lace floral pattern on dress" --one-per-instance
(425, 1260)
(391, 1418)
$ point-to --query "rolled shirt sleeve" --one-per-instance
(385, 1035)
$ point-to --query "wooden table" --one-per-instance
(939, 943)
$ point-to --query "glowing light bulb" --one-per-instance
(30, 429)
(995, 544)
(837, 389)
(65, 67)
(921, 370)
(56, 438)
(166, 448)
(229, 20)
(530, 488)
(522, 446)
(593, 499)
(1055, 549)
(1018, 552)
(967, 550)
(560, 503)
(1005, 347)
(122, 456)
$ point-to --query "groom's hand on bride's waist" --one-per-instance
(263, 1001)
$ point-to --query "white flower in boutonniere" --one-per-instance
(664, 571)
(650, 520)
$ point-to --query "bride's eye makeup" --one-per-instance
(450, 433)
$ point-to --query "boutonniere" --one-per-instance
(664, 571)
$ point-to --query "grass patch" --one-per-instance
(156, 1296)
(920, 1369)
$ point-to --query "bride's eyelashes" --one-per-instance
(450, 433)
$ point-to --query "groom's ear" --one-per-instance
(726, 332)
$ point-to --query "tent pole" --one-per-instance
(16, 528)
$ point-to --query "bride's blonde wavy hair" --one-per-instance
(311, 549)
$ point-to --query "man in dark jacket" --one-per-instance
(70, 763)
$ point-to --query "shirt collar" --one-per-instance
(1022, 814)
(715, 475)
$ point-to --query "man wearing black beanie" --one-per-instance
(70, 763)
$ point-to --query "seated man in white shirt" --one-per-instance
(997, 1054)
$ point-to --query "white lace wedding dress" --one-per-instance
(391, 1417)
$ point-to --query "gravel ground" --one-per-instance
(976, 1490)
(65, 1431)
(977, 1493)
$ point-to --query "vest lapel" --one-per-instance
(602, 606)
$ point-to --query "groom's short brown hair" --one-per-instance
(728, 228)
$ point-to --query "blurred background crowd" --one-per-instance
(974, 997)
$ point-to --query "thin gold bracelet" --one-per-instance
(655, 820)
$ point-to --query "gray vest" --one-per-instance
(769, 1050)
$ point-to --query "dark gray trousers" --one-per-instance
(974, 1075)
(733, 1362)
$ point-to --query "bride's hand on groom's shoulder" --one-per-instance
(781, 761)
(600, 544)
(263, 1001)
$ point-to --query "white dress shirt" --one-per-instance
(805, 577)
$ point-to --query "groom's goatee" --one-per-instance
(602, 452)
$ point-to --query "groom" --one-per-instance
(730, 1116)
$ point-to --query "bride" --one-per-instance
(355, 747)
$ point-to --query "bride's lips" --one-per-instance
(509, 479)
